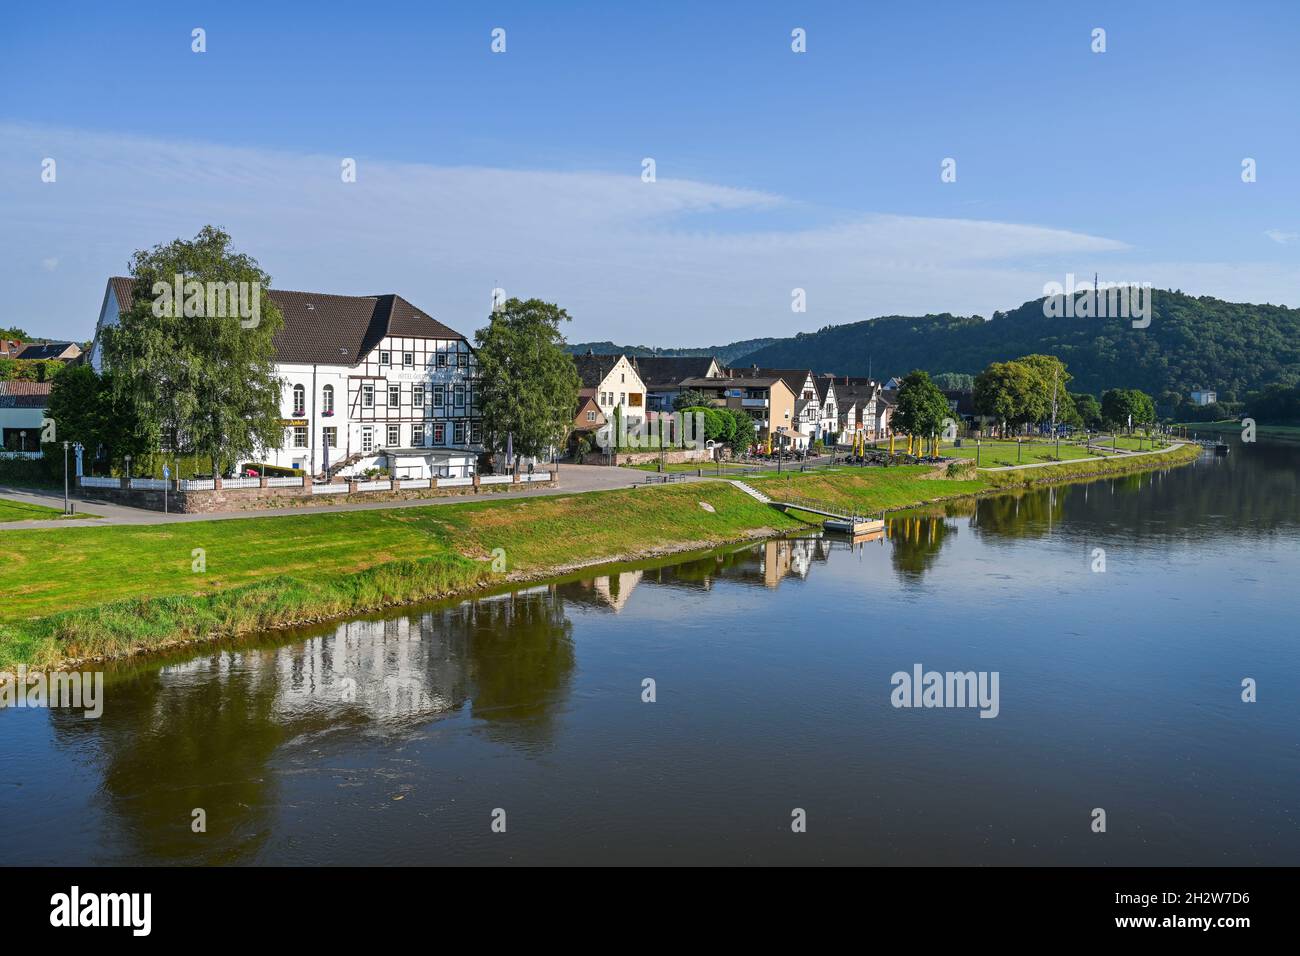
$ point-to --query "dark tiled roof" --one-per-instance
(44, 350)
(592, 368)
(333, 329)
(666, 370)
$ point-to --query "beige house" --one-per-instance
(615, 385)
(767, 399)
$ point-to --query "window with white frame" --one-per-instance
(438, 394)
(299, 400)
(462, 360)
(331, 437)
(408, 360)
(327, 400)
(442, 360)
(591, 416)
(394, 436)
(417, 396)
(367, 438)
(367, 396)
(460, 396)
(300, 436)
(460, 433)
(476, 433)
(394, 396)
(417, 436)
(385, 358)
(439, 434)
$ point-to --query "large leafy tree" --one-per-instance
(1122, 406)
(84, 409)
(921, 408)
(1050, 377)
(1087, 410)
(1009, 392)
(202, 383)
(746, 431)
(528, 384)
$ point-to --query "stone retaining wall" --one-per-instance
(257, 499)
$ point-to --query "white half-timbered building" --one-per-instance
(368, 382)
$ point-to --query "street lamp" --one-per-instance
(128, 471)
(65, 477)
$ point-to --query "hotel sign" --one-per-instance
(294, 422)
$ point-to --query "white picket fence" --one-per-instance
(536, 476)
(195, 484)
(328, 489)
(414, 483)
(454, 482)
(494, 480)
(290, 482)
(149, 484)
(334, 488)
(89, 482)
(229, 483)
(374, 486)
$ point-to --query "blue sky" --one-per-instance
(775, 170)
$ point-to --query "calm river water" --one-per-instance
(396, 739)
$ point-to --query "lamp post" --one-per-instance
(128, 470)
(65, 477)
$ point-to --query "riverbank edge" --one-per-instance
(150, 625)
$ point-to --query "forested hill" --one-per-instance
(1191, 343)
(723, 353)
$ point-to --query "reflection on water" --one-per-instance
(389, 740)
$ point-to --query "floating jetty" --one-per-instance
(855, 526)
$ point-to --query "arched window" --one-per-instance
(299, 400)
(327, 400)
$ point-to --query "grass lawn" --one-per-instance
(280, 569)
(107, 591)
(24, 511)
(871, 489)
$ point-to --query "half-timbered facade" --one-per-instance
(368, 382)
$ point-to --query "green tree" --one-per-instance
(690, 398)
(1125, 407)
(717, 423)
(745, 433)
(955, 381)
(1009, 392)
(921, 408)
(201, 383)
(1087, 410)
(84, 409)
(1051, 379)
(528, 385)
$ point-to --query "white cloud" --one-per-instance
(1280, 237)
(672, 262)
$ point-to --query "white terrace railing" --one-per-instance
(89, 482)
(241, 483)
(149, 484)
(328, 489)
(286, 482)
(25, 455)
(195, 484)
(374, 486)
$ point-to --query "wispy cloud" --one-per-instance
(1280, 237)
(670, 262)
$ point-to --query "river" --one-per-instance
(417, 737)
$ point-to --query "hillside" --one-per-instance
(724, 353)
(1191, 343)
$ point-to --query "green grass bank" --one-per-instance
(78, 594)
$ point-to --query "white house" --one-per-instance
(1204, 397)
(22, 418)
(617, 385)
(368, 382)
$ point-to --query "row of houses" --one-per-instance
(790, 407)
(373, 382)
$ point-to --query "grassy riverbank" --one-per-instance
(23, 511)
(81, 593)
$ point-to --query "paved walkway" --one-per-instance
(574, 479)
